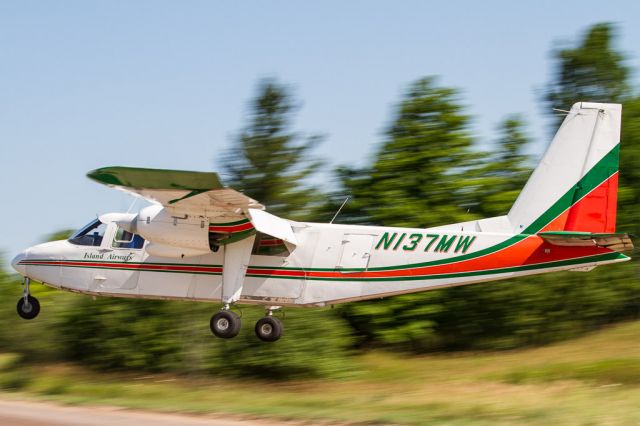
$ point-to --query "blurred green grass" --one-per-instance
(591, 380)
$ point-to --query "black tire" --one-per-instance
(269, 329)
(29, 310)
(225, 324)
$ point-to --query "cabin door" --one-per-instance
(356, 252)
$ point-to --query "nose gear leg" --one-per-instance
(28, 306)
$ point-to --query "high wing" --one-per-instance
(616, 242)
(194, 193)
(199, 193)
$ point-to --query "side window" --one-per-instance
(127, 240)
(90, 235)
(266, 245)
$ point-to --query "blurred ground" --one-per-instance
(28, 413)
(593, 380)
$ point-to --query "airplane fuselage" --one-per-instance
(331, 264)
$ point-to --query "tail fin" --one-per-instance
(575, 186)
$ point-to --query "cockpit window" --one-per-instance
(90, 235)
(125, 239)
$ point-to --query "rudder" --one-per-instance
(575, 185)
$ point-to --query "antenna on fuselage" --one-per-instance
(340, 209)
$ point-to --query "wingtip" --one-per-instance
(104, 175)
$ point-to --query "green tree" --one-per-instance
(419, 178)
(525, 311)
(591, 71)
(270, 162)
(541, 309)
(545, 308)
(594, 70)
(629, 192)
(502, 175)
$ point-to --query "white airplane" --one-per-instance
(202, 241)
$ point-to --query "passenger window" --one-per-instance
(90, 235)
(266, 245)
(127, 240)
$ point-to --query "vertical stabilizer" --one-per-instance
(575, 185)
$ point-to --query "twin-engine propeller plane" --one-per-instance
(200, 240)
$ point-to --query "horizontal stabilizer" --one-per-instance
(616, 242)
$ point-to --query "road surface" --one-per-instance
(30, 413)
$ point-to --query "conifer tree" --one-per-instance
(418, 179)
(418, 176)
(503, 174)
(592, 71)
(270, 162)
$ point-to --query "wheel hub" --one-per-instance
(266, 329)
(222, 324)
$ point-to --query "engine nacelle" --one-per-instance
(172, 236)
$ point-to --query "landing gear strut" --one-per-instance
(28, 306)
(225, 324)
(269, 328)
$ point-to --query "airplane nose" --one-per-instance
(17, 263)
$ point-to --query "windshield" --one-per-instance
(89, 235)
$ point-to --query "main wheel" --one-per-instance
(28, 310)
(225, 324)
(268, 329)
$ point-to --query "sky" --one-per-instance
(166, 84)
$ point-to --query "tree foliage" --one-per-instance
(502, 175)
(270, 162)
(629, 191)
(592, 71)
(418, 175)
(172, 336)
(527, 310)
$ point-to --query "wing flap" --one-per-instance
(612, 241)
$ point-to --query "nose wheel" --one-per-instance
(28, 306)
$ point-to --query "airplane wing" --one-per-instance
(616, 242)
(184, 191)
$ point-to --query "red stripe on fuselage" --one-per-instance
(530, 251)
(132, 266)
(232, 228)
